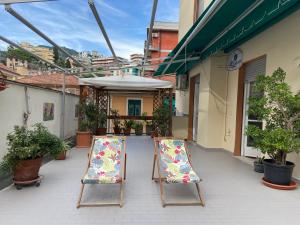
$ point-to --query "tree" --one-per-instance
(56, 54)
(279, 108)
(16, 53)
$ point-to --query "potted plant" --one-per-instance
(138, 128)
(26, 149)
(279, 108)
(87, 125)
(65, 148)
(116, 121)
(161, 118)
(258, 164)
(102, 118)
(127, 125)
(83, 135)
(148, 124)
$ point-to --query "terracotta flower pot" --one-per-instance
(83, 139)
(117, 130)
(62, 156)
(101, 131)
(127, 131)
(27, 170)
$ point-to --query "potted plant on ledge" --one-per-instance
(26, 149)
(147, 123)
(102, 118)
(161, 118)
(279, 108)
(116, 121)
(127, 125)
(138, 128)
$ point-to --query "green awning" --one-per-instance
(262, 15)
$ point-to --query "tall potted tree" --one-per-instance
(101, 123)
(116, 121)
(279, 108)
(161, 118)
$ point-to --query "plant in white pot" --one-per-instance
(279, 108)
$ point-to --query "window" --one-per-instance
(134, 107)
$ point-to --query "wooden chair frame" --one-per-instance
(161, 180)
(123, 177)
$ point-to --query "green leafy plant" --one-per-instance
(144, 118)
(102, 118)
(279, 108)
(161, 119)
(128, 124)
(116, 120)
(138, 127)
(26, 144)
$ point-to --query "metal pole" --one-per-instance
(154, 7)
(10, 10)
(62, 132)
(101, 26)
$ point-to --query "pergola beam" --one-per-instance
(154, 8)
(10, 10)
(3, 2)
(102, 28)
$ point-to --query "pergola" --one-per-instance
(99, 90)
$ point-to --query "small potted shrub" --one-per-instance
(258, 164)
(127, 125)
(138, 128)
(116, 121)
(279, 108)
(161, 118)
(102, 118)
(65, 148)
(26, 148)
(87, 126)
(148, 124)
(83, 135)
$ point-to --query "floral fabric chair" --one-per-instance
(105, 162)
(175, 162)
(106, 165)
(172, 161)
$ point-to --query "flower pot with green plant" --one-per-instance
(26, 149)
(127, 126)
(258, 164)
(102, 119)
(138, 128)
(87, 125)
(161, 119)
(65, 148)
(148, 124)
(116, 121)
(279, 108)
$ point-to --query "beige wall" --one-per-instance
(280, 44)
(120, 103)
(13, 106)
(180, 126)
(186, 17)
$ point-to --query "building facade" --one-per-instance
(164, 39)
(216, 100)
(44, 52)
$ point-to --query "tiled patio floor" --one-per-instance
(232, 191)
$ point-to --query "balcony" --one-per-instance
(232, 190)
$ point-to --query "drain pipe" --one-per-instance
(208, 15)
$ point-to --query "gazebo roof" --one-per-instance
(126, 82)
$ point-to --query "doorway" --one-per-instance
(252, 69)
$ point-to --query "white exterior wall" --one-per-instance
(13, 105)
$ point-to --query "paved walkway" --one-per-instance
(232, 191)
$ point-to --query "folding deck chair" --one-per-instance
(106, 165)
(173, 163)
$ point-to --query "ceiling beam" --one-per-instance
(10, 10)
(3, 2)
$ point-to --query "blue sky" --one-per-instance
(70, 23)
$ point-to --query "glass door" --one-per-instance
(249, 119)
